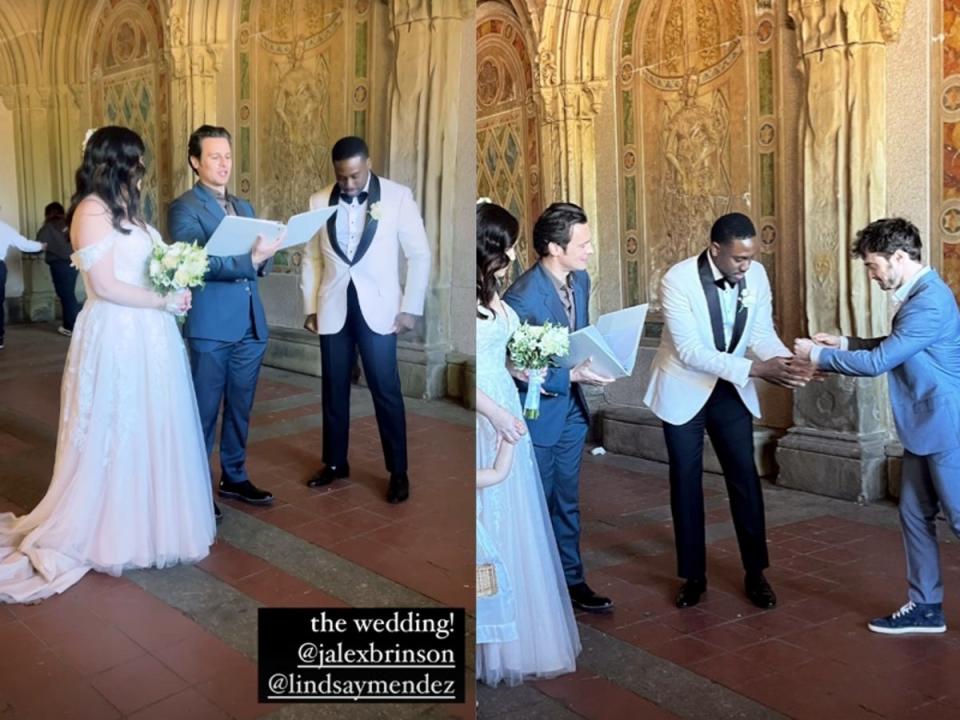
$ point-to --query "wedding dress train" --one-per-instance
(131, 485)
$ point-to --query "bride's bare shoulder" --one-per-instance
(92, 221)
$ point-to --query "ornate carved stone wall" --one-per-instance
(946, 213)
(129, 83)
(843, 60)
(698, 118)
(508, 124)
(287, 77)
(303, 81)
(842, 427)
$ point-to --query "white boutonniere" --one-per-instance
(374, 211)
(747, 298)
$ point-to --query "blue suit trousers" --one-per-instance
(227, 373)
(559, 466)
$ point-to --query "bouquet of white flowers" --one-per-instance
(176, 267)
(533, 348)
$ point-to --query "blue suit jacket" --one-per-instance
(534, 298)
(922, 355)
(223, 307)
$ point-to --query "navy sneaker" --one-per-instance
(911, 618)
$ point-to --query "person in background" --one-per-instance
(53, 234)
(8, 237)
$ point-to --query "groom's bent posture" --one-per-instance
(716, 306)
(226, 330)
(557, 290)
(354, 301)
(922, 356)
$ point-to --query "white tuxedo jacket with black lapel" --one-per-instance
(693, 355)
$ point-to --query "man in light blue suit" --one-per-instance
(922, 355)
(557, 290)
(226, 330)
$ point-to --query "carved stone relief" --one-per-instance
(129, 89)
(298, 150)
(695, 181)
(843, 128)
(946, 215)
(303, 82)
(685, 89)
(295, 54)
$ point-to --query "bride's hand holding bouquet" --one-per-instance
(173, 270)
(532, 349)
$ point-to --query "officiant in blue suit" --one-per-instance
(226, 330)
(557, 290)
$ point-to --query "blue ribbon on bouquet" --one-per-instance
(531, 406)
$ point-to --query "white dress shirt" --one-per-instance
(351, 218)
(728, 303)
(9, 236)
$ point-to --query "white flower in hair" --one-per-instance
(86, 139)
(484, 201)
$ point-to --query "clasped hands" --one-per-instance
(178, 303)
(796, 371)
(802, 347)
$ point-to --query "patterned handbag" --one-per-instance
(486, 580)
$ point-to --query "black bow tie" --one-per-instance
(360, 198)
(723, 283)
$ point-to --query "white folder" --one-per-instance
(236, 235)
(612, 342)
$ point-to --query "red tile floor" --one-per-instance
(109, 648)
(834, 566)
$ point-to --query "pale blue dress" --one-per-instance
(512, 519)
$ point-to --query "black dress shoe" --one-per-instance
(327, 474)
(399, 488)
(217, 514)
(690, 592)
(759, 591)
(246, 491)
(583, 598)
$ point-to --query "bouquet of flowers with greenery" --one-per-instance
(533, 348)
(179, 266)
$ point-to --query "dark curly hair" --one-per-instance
(497, 232)
(885, 237)
(112, 168)
(555, 226)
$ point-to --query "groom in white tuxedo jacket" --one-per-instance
(353, 298)
(716, 307)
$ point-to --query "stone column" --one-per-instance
(35, 137)
(571, 80)
(432, 108)
(569, 132)
(836, 446)
(193, 95)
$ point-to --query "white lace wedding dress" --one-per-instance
(514, 515)
(131, 485)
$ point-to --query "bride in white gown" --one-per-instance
(513, 513)
(131, 485)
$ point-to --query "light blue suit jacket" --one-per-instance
(922, 355)
(225, 306)
(534, 298)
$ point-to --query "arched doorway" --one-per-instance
(508, 155)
